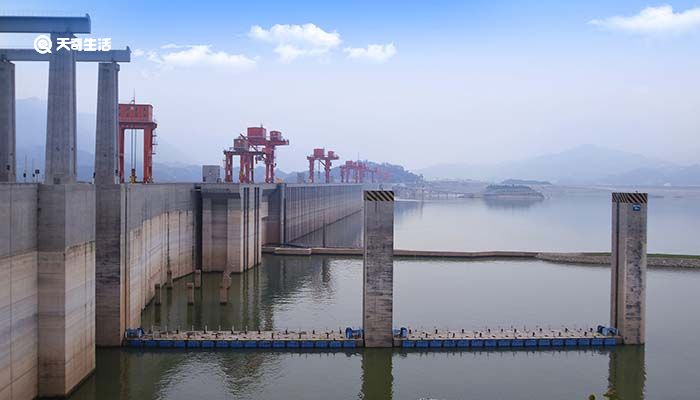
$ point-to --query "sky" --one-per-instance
(412, 83)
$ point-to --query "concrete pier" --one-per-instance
(169, 277)
(198, 278)
(223, 293)
(61, 136)
(8, 149)
(190, 293)
(378, 268)
(629, 265)
(158, 296)
(66, 274)
(106, 171)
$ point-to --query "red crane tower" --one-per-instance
(356, 171)
(255, 146)
(137, 116)
(324, 159)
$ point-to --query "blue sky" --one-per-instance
(472, 82)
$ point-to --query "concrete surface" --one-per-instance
(629, 266)
(378, 269)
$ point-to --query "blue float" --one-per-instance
(558, 342)
(335, 344)
(250, 344)
(477, 343)
(610, 342)
(570, 342)
(597, 342)
(135, 342)
(544, 342)
(264, 344)
(222, 344)
(236, 344)
(151, 343)
(408, 343)
(321, 344)
(517, 343)
(503, 343)
(349, 344)
(490, 343)
(193, 344)
(278, 344)
(584, 342)
(531, 343)
(422, 343)
(449, 343)
(435, 343)
(293, 344)
(307, 344)
(207, 344)
(462, 343)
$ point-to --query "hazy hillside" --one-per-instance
(586, 164)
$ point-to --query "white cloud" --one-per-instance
(294, 41)
(199, 55)
(654, 20)
(377, 53)
(138, 52)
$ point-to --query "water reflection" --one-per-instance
(377, 374)
(175, 374)
(512, 203)
(627, 373)
(253, 296)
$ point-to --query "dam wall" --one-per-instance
(19, 291)
(79, 262)
(47, 288)
(144, 232)
(237, 220)
(309, 207)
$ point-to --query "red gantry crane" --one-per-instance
(255, 146)
(324, 159)
(355, 171)
(137, 117)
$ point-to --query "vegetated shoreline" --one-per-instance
(653, 260)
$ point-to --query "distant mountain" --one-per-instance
(676, 176)
(585, 164)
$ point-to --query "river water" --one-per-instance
(325, 292)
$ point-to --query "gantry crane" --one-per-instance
(255, 146)
(324, 159)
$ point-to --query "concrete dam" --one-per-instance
(79, 262)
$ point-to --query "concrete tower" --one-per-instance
(7, 121)
(378, 269)
(629, 265)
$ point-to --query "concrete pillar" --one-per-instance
(378, 268)
(629, 265)
(170, 279)
(223, 293)
(198, 278)
(61, 138)
(66, 265)
(158, 299)
(190, 293)
(106, 167)
(110, 264)
(8, 149)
